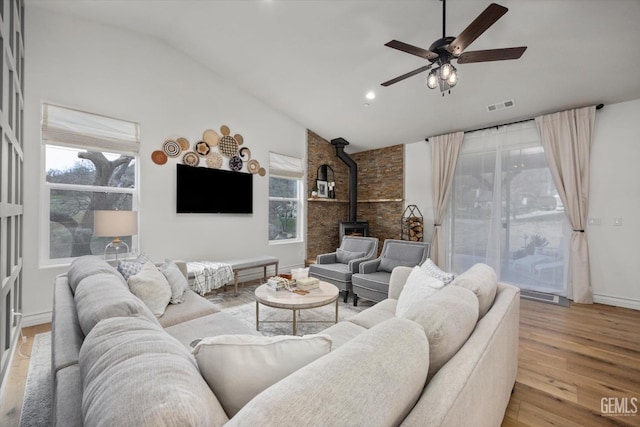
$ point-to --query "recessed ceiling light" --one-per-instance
(371, 95)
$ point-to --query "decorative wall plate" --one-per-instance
(238, 138)
(235, 163)
(214, 160)
(159, 157)
(245, 153)
(171, 148)
(225, 130)
(253, 166)
(211, 137)
(183, 143)
(262, 172)
(202, 148)
(191, 159)
(228, 146)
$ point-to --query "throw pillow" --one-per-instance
(129, 268)
(482, 280)
(239, 367)
(434, 271)
(152, 288)
(176, 279)
(419, 286)
(448, 319)
(344, 257)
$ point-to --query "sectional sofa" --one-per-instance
(450, 360)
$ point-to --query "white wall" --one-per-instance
(614, 251)
(417, 182)
(130, 76)
(614, 193)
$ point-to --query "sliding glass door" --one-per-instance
(505, 211)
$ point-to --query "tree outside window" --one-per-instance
(284, 203)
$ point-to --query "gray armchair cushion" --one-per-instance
(343, 256)
(359, 244)
(401, 254)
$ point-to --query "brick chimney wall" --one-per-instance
(380, 179)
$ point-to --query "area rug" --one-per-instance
(36, 407)
(275, 321)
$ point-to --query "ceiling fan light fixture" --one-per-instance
(453, 77)
(446, 70)
(432, 79)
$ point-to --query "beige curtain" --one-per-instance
(444, 156)
(566, 138)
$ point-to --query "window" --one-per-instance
(90, 164)
(285, 198)
(505, 210)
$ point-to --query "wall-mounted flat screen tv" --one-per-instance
(207, 190)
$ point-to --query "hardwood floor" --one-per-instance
(573, 358)
(570, 360)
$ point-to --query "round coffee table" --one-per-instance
(325, 294)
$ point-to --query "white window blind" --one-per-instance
(282, 165)
(79, 129)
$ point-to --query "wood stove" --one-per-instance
(354, 228)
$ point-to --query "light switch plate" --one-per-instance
(617, 221)
(594, 221)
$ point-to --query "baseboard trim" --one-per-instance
(617, 301)
(36, 319)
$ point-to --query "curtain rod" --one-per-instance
(598, 107)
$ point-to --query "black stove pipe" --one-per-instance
(340, 143)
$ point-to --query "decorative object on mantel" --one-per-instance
(323, 188)
(412, 224)
(212, 148)
(325, 173)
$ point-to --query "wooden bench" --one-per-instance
(238, 265)
(263, 261)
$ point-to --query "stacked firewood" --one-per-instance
(415, 228)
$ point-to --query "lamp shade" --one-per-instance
(115, 223)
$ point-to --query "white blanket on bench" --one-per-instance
(209, 275)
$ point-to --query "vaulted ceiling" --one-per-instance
(316, 60)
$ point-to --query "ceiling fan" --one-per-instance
(448, 48)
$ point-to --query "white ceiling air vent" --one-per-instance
(501, 105)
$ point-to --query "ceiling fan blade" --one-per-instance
(491, 55)
(407, 75)
(413, 50)
(479, 25)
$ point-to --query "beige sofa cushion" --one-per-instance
(177, 280)
(152, 287)
(385, 367)
(86, 266)
(103, 296)
(135, 374)
(384, 310)
(481, 279)
(448, 318)
(238, 367)
(193, 307)
(419, 285)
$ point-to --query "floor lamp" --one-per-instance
(115, 224)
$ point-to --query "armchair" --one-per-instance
(337, 267)
(372, 280)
